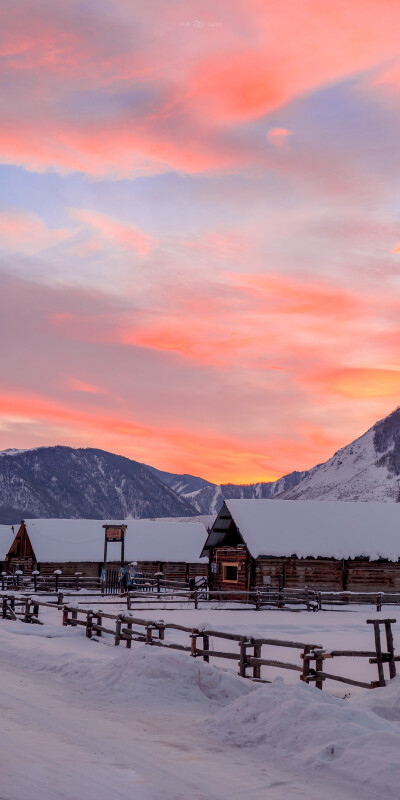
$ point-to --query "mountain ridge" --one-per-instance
(90, 483)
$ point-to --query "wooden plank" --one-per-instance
(217, 654)
(326, 675)
(351, 653)
(268, 662)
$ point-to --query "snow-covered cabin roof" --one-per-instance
(6, 539)
(164, 541)
(318, 528)
(63, 540)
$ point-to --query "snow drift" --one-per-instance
(316, 730)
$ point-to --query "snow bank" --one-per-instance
(384, 701)
(142, 677)
(148, 677)
(317, 730)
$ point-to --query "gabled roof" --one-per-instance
(6, 539)
(318, 528)
(64, 540)
(164, 541)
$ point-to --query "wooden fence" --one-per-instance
(144, 582)
(128, 628)
(251, 657)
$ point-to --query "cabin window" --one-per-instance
(230, 573)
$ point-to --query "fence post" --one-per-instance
(257, 667)
(74, 617)
(77, 576)
(193, 643)
(99, 621)
(378, 649)
(379, 601)
(60, 599)
(206, 646)
(117, 637)
(196, 599)
(258, 601)
(27, 610)
(35, 574)
(306, 663)
(89, 621)
(129, 635)
(319, 667)
(161, 630)
(242, 658)
(57, 573)
(390, 647)
(65, 620)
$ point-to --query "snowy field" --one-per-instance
(81, 719)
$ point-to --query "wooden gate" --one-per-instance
(111, 583)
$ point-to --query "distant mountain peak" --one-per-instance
(85, 483)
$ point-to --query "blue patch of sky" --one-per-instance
(168, 203)
(347, 116)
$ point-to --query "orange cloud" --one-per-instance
(217, 457)
(360, 383)
(278, 137)
(288, 295)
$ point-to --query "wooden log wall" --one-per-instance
(320, 574)
(87, 568)
(372, 576)
(231, 556)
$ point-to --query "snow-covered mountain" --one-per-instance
(81, 483)
(207, 498)
(93, 484)
(366, 469)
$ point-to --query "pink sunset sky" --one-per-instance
(199, 228)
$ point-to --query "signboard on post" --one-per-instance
(114, 533)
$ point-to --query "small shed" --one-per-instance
(77, 545)
(329, 545)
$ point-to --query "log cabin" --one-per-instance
(7, 535)
(77, 545)
(325, 545)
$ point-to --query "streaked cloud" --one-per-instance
(199, 228)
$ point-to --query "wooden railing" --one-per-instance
(143, 582)
(127, 628)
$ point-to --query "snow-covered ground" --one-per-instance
(83, 719)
